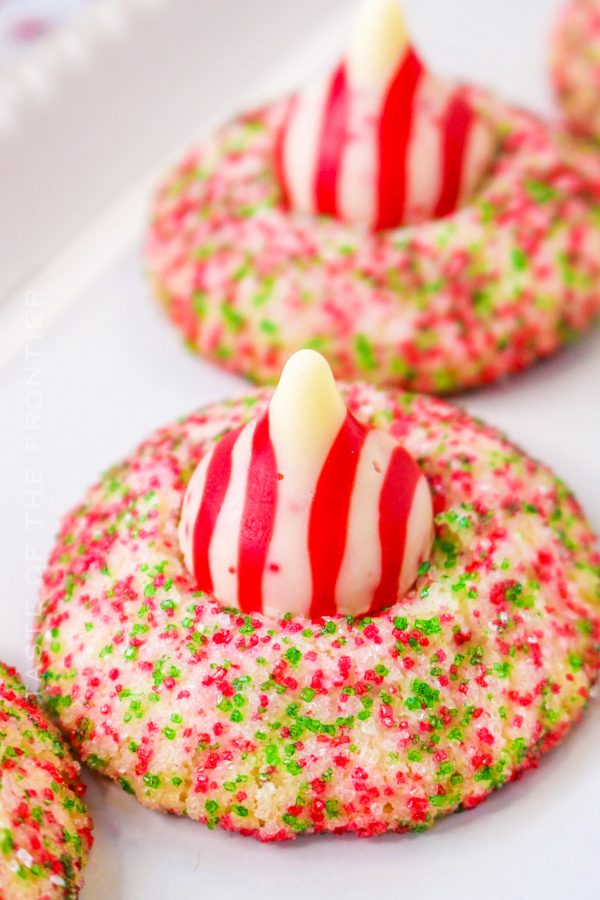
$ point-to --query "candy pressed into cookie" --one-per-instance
(419, 233)
(314, 611)
(45, 830)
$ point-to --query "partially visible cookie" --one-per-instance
(576, 65)
(419, 234)
(45, 830)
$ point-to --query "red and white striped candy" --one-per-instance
(381, 141)
(304, 509)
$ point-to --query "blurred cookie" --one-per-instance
(418, 233)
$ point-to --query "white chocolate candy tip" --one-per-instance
(306, 410)
(306, 379)
(306, 363)
(378, 43)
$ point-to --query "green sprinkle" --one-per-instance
(332, 808)
(96, 762)
(126, 785)
(519, 259)
(6, 843)
(428, 626)
(152, 781)
(539, 191)
(364, 352)
(293, 656)
(233, 319)
(268, 327)
(502, 669)
(575, 661)
(294, 823)
(271, 755)
(584, 626)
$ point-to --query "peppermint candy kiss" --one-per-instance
(304, 509)
(381, 141)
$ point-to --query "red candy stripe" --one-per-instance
(331, 143)
(328, 524)
(395, 503)
(455, 135)
(217, 480)
(257, 519)
(395, 130)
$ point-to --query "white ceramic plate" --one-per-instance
(111, 368)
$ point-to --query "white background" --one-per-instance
(113, 369)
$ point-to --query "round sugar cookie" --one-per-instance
(276, 727)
